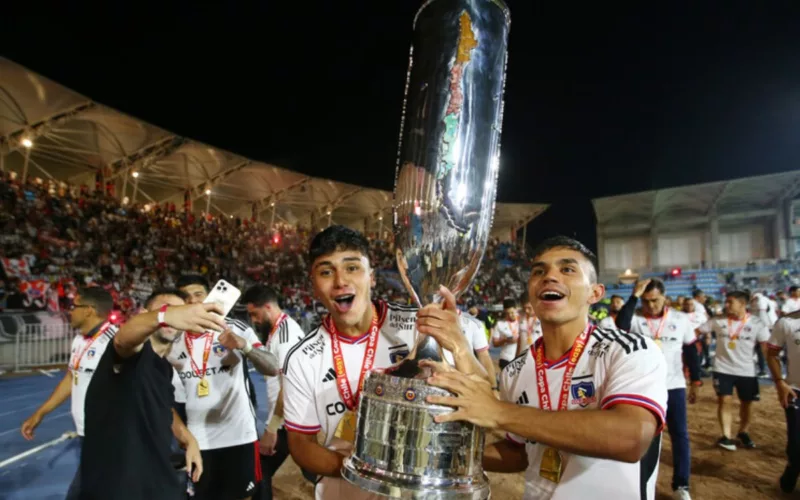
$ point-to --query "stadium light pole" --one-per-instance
(27, 144)
(272, 216)
(135, 175)
(208, 201)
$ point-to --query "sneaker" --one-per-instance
(746, 441)
(789, 480)
(681, 493)
(726, 443)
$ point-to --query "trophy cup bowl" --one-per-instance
(444, 200)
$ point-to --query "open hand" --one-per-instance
(194, 462)
(441, 322)
(474, 402)
(195, 317)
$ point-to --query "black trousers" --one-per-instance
(271, 464)
(793, 433)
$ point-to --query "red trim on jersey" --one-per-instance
(636, 400)
(547, 363)
(302, 429)
(382, 309)
(773, 347)
(257, 462)
(257, 345)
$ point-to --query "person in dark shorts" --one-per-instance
(130, 419)
(738, 336)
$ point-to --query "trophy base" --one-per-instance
(410, 487)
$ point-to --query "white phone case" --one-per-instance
(224, 294)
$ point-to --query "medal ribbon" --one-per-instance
(275, 327)
(543, 387)
(206, 351)
(88, 344)
(735, 336)
(342, 383)
(657, 333)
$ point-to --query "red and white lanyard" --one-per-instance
(77, 363)
(543, 387)
(200, 372)
(342, 383)
(657, 333)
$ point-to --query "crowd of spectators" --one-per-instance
(55, 237)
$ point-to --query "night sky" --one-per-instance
(599, 100)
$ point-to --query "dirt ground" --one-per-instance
(717, 474)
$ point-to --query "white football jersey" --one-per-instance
(607, 323)
(696, 320)
(616, 367)
(475, 333)
(90, 353)
(177, 387)
(504, 330)
(531, 328)
(285, 334)
(735, 357)
(311, 399)
(225, 417)
(786, 335)
(791, 305)
(675, 333)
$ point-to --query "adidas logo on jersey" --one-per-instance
(182, 356)
(330, 376)
(250, 486)
(523, 399)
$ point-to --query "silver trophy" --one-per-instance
(444, 200)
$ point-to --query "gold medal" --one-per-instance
(202, 388)
(658, 342)
(346, 430)
(550, 468)
(731, 345)
(75, 378)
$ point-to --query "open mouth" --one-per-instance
(551, 296)
(344, 303)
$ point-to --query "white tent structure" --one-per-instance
(49, 131)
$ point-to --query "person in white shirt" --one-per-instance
(594, 430)
(673, 332)
(786, 335)
(505, 333)
(738, 336)
(792, 303)
(324, 373)
(530, 328)
(89, 316)
(280, 333)
(699, 298)
(219, 410)
(476, 336)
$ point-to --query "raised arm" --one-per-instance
(192, 317)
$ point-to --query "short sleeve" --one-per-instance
(689, 335)
(299, 411)
(706, 327)
(778, 337)
(506, 395)
(762, 334)
(251, 337)
(638, 378)
(479, 341)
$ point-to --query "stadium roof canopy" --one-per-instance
(734, 200)
(73, 138)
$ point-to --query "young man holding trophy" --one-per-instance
(324, 373)
(608, 388)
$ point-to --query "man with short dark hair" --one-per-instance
(219, 405)
(738, 335)
(89, 316)
(130, 419)
(672, 331)
(324, 373)
(583, 409)
(280, 332)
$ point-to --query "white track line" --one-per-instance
(16, 429)
(64, 437)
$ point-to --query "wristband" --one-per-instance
(162, 315)
(247, 348)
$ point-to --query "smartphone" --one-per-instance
(224, 294)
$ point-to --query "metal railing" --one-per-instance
(42, 345)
